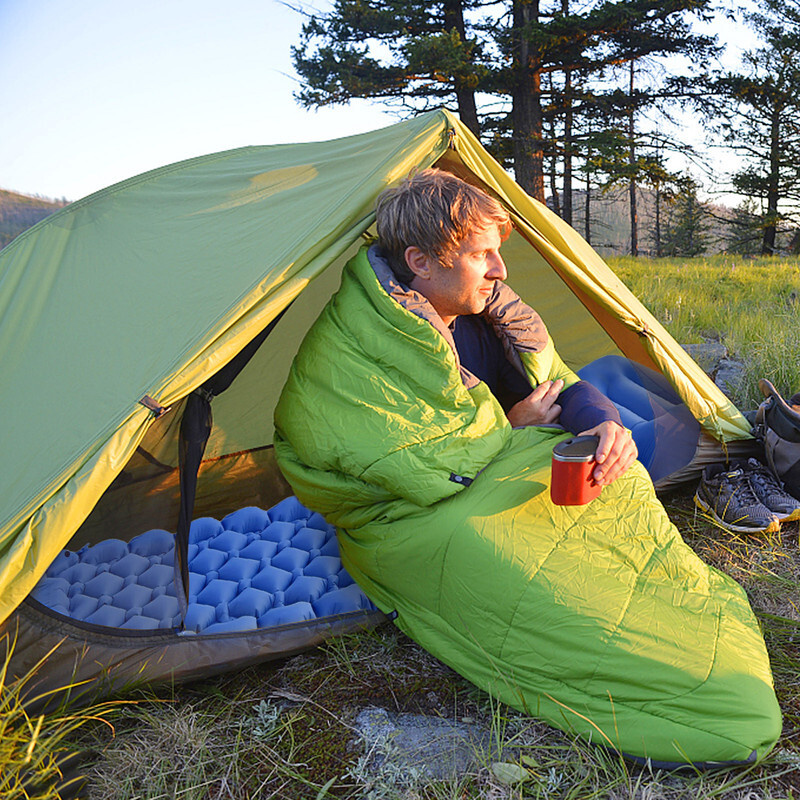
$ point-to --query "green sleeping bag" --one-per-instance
(598, 618)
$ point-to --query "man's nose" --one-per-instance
(497, 268)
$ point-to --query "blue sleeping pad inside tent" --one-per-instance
(259, 569)
(665, 431)
(253, 569)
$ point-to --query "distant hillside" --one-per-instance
(609, 230)
(610, 227)
(19, 211)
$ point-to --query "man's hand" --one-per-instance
(615, 452)
(539, 407)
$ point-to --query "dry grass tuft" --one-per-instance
(38, 757)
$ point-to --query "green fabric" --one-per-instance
(424, 425)
(598, 619)
(149, 287)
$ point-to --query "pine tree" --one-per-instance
(746, 233)
(527, 60)
(574, 51)
(757, 113)
(430, 57)
(687, 229)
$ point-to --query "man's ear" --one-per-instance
(418, 262)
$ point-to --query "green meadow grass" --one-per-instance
(286, 730)
(752, 306)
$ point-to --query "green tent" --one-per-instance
(116, 309)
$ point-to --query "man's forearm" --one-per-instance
(584, 407)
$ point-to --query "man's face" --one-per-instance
(464, 287)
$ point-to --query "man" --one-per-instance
(455, 266)
(418, 418)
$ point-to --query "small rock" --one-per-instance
(374, 725)
(417, 745)
(707, 355)
(712, 358)
(729, 375)
(509, 774)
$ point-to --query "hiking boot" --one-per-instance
(770, 491)
(727, 496)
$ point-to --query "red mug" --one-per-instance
(571, 482)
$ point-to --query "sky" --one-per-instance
(95, 91)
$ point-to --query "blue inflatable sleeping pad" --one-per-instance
(254, 569)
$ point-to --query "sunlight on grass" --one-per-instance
(752, 306)
(39, 759)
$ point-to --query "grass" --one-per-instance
(280, 731)
(752, 306)
(38, 756)
(288, 730)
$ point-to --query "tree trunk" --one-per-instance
(657, 208)
(587, 226)
(567, 194)
(527, 104)
(632, 186)
(657, 236)
(465, 95)
(551, 173)
(555, 200)
(467, 110)
(770, 228)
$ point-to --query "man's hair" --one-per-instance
(434, 211)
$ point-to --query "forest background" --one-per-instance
(589, 101)
(657, 129)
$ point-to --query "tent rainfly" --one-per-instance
(119, 316)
